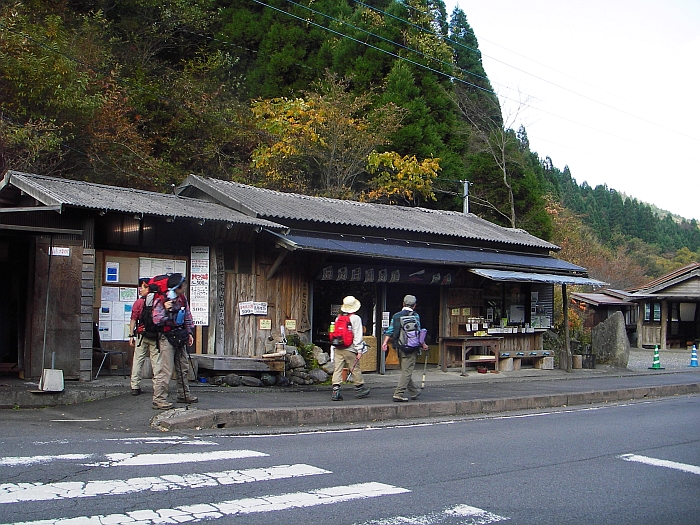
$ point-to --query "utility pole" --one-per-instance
(465, 197)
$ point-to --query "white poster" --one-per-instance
(112, 272)
(105, 330)
(199, 284)
(106, 308)
(110, 293)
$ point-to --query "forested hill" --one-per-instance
(382, 101)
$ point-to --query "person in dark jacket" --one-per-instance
(407, 356)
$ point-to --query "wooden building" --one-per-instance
(484, 291)
(596, 307)
(669, 315)
(261, 265)
(71, 254)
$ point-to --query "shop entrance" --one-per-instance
(14, 265)
(428, 307)
(328, 296)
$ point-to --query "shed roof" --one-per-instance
(423, 252)
(670, 279)
(279, 206)
(61, 193)
(603, 298)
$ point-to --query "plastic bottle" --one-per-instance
(331, 328)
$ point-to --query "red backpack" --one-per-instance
(157, 288)
(341, 335)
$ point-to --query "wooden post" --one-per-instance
(567, 340)
(664, 324)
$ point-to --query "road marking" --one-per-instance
(175, 440)
(129, 460)
(661, 463)
(207, 511)
(74, 420)
(476, 517)
(33, 460)
(17, 492)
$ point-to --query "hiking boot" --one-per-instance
(361, 391)
(162, 406)
(135, 391)
(187, 399)
(335, 396)
(399, 399)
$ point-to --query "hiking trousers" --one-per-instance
(345, 358)
(146, 347)
(171, 359)
(406, 385)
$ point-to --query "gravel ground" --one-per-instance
(670, 359)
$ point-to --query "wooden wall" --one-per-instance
(62, 324)
(287, 297)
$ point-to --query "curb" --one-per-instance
(25, 398)
(196, 419)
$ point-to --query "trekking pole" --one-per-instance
(347, 380)
(181, 373)
(425, 366)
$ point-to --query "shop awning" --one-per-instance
(502, 275)
(420, 251)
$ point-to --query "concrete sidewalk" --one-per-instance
(446, 394)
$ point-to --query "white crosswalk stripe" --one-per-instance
(14, 494)
(192, 513)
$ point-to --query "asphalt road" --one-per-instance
(625, 463)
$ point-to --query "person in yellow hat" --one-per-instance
(348, 357)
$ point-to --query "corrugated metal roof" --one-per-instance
(423, 252)
(670, 279)
(600, 298)
(278, 206)
(52, 191)
(501, 275)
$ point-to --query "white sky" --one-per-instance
(613, 85)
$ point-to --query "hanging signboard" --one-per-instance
(376, 274)
(199, 284)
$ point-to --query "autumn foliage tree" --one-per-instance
(327, 143)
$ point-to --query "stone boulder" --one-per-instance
(318, 375)
(609, 341)
(251, 381)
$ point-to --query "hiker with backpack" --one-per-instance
(143, 342)
(171, 313)
(347, 347)
(408, 339)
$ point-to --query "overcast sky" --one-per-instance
(610, 88)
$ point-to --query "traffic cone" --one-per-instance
(656, 365)
(694, 357)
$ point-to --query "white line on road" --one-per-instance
(476, 517)
(128, 460)
(661, 463)
(207, 511)
(33, 460)
(17, 492)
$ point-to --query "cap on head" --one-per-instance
(175, 280)
(350, 305)
(144, 280)
(409, 300)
